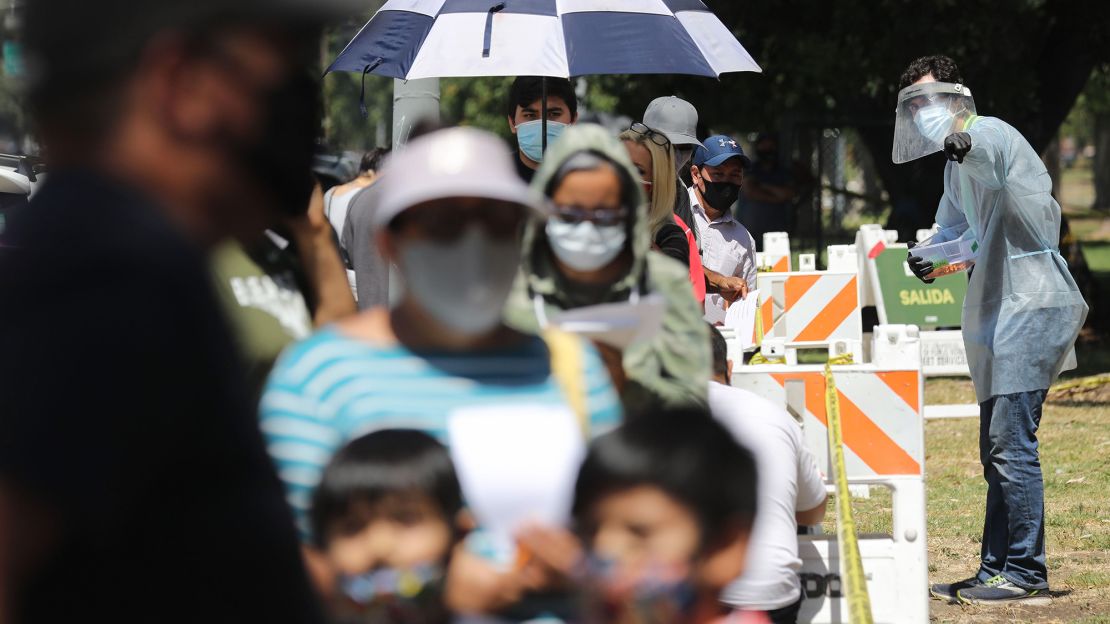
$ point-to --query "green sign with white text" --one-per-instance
(908, 301)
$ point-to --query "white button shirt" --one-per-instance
(727, 248)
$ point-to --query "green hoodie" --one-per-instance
(673, 368)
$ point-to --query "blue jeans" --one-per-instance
(1013, 529)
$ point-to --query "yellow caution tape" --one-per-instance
(758, 324)
(851, 565)
(1083, 382)
(758, 358)
(842, 360)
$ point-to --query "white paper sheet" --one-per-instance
(714, 309)
(516, 464)
(615, 324)
(740, 317)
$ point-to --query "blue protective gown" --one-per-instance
(1023, 310)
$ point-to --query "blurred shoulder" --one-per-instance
(732, 405)
(665, 273)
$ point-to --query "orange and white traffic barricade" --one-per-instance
(775, 257)
(809, 309)
(806, 309)
(881, 407)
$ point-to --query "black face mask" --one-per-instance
(280, 158)
(720, 195)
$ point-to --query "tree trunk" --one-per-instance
(914, 188)
(1051, 158)
(1074, 46)
(1102, 162)
(872, 185)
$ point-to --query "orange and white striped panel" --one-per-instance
(820, 307)
(778, 264)
(880, 414)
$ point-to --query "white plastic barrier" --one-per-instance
(843, 258)
(776, 252)
(881, 407)
(895, 565)
(871, 240)
(943, 353)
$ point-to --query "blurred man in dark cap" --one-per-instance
(134, 485)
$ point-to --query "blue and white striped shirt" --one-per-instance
(331, 388)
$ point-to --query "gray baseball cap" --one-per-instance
(456, 162)
(674, 117)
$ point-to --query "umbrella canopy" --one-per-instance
(412, 39)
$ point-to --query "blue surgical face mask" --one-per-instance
(529, 136)
(934, 122)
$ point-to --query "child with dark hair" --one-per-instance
(664, 505)
(386, 515)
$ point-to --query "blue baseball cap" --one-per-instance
(717, 149)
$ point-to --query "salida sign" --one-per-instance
(910, 302)
(926, 296)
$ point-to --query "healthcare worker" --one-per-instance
(1021, 315)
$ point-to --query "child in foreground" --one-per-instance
(664, 506)
(386, 515)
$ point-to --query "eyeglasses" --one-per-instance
(655, 136)
(601, 216)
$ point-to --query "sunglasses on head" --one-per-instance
(654, 136)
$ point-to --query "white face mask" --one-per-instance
(585, 246)
(934, 122)
(463, 284)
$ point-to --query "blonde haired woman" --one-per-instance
(652, 154)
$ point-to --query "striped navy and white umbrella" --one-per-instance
(412, 39)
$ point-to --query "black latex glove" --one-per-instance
(957, 145)
(920, 266)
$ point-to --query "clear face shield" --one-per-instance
(926, 114)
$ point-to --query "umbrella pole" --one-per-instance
(543, 114)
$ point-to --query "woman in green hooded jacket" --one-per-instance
(595, 248)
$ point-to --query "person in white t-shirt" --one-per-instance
(791, 493)
(727, 248)
(337, 200)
